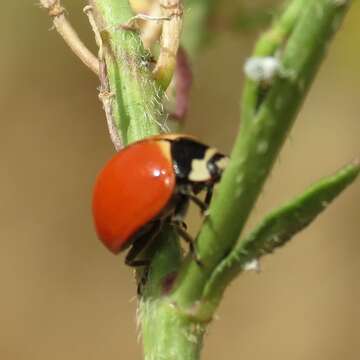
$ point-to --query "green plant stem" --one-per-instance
(173, 322)
(257, 147)
(136, 105)
(269, 44)
(167, 334)
(278, 228)
(137, 111)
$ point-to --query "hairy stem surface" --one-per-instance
(136, 104)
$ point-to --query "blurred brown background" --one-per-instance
(63, 296)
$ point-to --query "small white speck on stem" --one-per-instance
(262, 69)
(252, 265)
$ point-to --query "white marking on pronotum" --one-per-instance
(199, 169)
(262, 68)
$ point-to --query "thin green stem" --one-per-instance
(173, 312)
(277, 229)
(258, 145)
(269, 44)
(137, 110)
(167, 334)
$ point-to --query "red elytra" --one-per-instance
(133, 187)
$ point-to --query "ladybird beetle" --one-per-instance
(149, 183)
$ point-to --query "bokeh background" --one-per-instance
(63, 296)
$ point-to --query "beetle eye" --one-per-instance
(217, 165)
(222, 163)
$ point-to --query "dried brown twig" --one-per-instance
(105, 94)
(67, 32)
(163, 14)
(170, 41)
(151, 30)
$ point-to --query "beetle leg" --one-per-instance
(203, 206)
(183, 224)
(141, 281)
(140, 244)
(137, 247)
(130, 258)
(178, 222)
(208, 196)
(188, 238)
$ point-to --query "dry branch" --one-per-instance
(67, 32)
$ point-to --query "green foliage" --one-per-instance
(173, 317)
